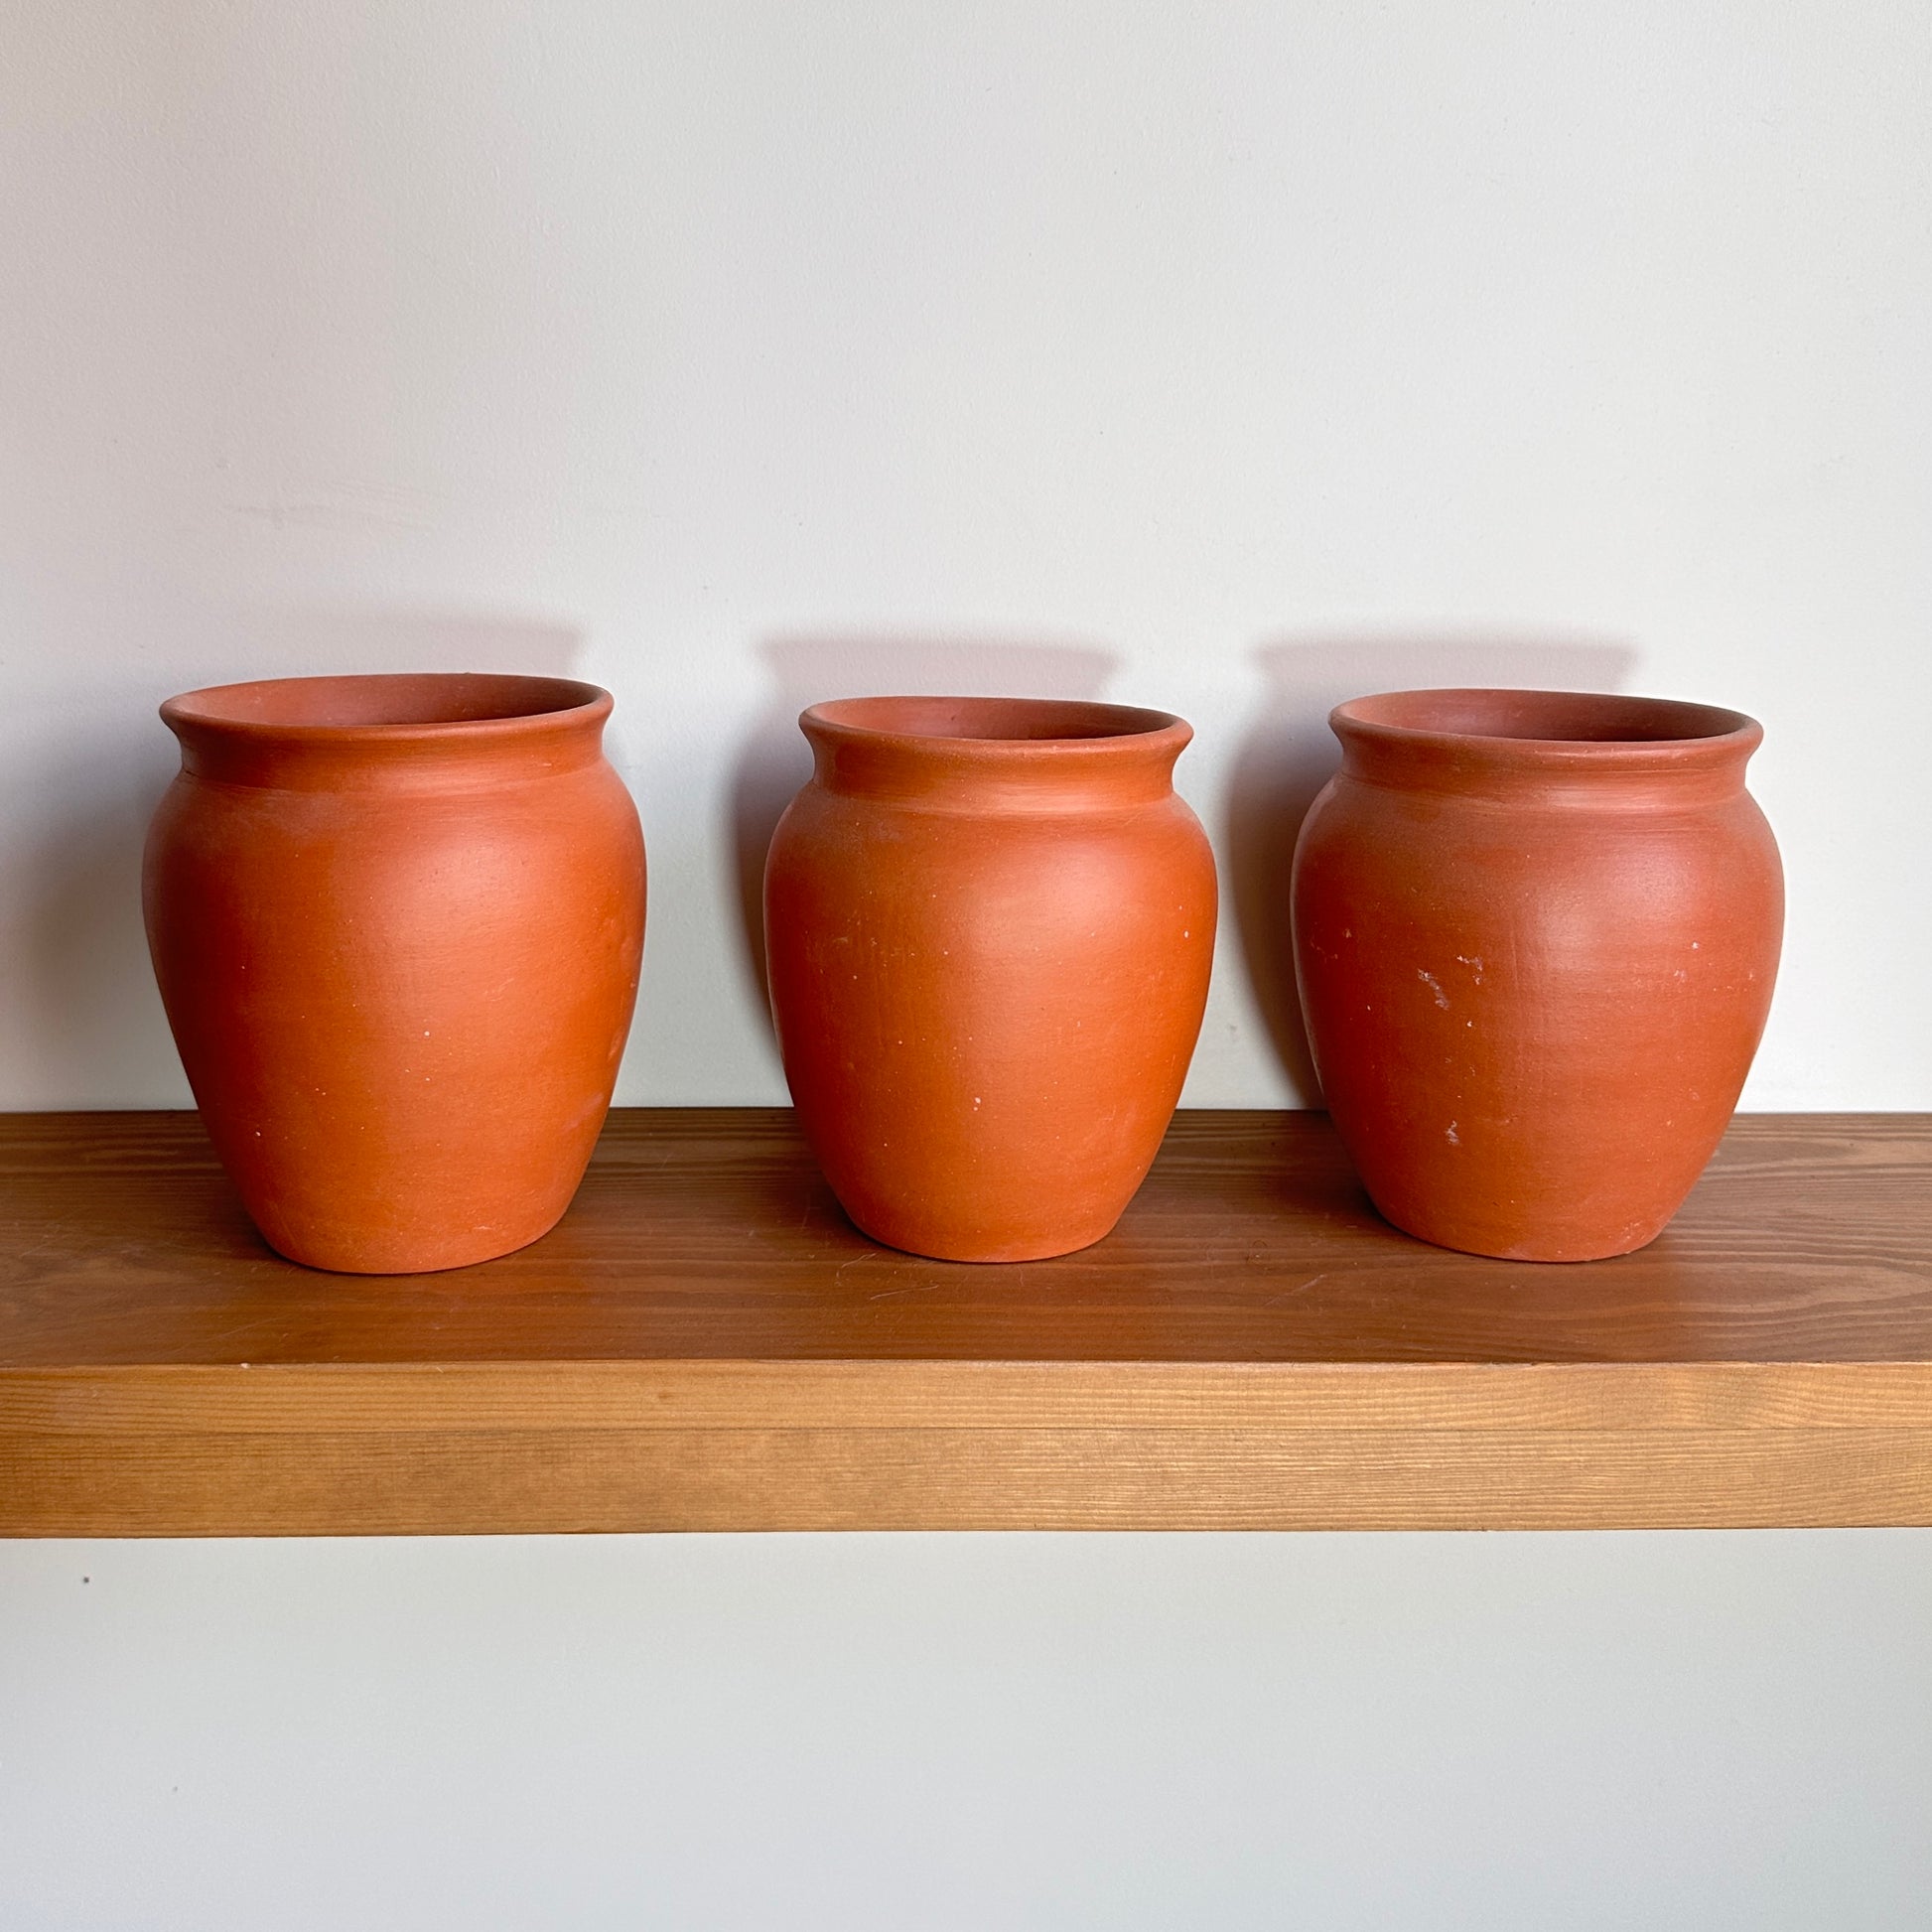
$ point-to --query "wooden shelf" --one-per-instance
(706, 1343)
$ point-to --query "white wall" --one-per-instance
(927, 1733)
(1233, 359)
(1229, 358)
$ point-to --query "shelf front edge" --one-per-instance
(658, 1446)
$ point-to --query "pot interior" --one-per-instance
(992, 720)
(406, 700)
(1546, 717)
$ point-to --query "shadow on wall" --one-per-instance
(1291, 753)
(96, 1035)
(776, 759)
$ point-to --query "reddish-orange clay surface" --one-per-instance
(988, 925)
(1536, 934)
(397, 924)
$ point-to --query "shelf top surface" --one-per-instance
(707, 1234)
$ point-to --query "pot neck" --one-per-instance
(1550, 749)
(359, 734)
(1016, 755)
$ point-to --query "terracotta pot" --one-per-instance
(1536, 934)
(397, 922)
(989, 923)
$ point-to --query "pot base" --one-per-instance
(1049, 1248)
(1549, 1250)
(420, 1257)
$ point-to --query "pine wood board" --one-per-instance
(706, 1343)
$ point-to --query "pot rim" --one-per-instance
(572, 704)
(1122, 729)
(1702, 731)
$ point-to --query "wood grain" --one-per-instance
(705, 1344)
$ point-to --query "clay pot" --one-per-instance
(988, 925)
(1536, 934)
(397, 924)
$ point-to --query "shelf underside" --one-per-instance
(706, 1343)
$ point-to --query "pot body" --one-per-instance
(988, 925)
(397, 924)
(1536, 936)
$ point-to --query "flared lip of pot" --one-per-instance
(998, 731)
(1547, 731)
(399, 708)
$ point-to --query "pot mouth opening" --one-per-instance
(386, 703)
(1569, 721)
(991, 723)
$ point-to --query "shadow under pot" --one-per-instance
(989, 925)
(397, 924)
(1536, 934)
